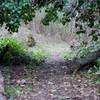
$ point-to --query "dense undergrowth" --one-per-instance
(11, 51)
(14, 52)
(82, 51)
(38, 56)
(93, 71)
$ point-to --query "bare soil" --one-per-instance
(50, 84)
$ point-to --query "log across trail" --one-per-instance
(75, 64)
(86, 61)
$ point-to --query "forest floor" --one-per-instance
(48, 82)
(22, 83)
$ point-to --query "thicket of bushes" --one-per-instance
(11, 51)
(14, 52)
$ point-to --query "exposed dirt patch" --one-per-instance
(45, 84)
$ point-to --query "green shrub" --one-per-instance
(98, 62)
(94, 73)
(68, 55)
(83, 51)
(11, 50)
(13, 91)
(39, 56)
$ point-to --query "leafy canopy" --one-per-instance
(13, 12)
(85, 12)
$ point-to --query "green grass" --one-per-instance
(53, 48)
(39, 55)
(68, 55)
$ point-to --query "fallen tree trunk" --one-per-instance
(72, 66)
(86, 61)
(90, 58)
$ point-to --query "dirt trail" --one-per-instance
(45, 84)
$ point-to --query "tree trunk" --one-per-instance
(83, 62)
